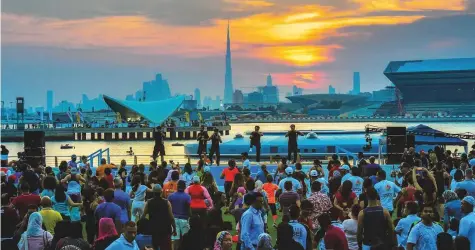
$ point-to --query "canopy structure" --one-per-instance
(155, 112)
(429, 136)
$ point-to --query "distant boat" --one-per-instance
(67, 146)
(177, 144)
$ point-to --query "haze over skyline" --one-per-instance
(112, 46)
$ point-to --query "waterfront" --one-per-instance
(143, 149)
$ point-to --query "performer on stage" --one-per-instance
(159, 136)
(292, 144)
(256, 141)
(215, 141)
(202, 140)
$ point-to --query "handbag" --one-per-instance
(46, 243)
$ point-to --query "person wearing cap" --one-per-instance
(467, 223)
(296, 185)
(345, 173)
(161, 217)
(200, 198)
(316, 176)
(468, 184)
(215, 139)
(256, 142)
(292, 146)
(180, 202)
(72, 163)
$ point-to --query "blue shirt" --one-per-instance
(122, 244)
(140, 193)
(74, 187)
(47, 192)
(252, 226)
(403, 226)
(72, 164)
(295, 183)
(122, 199)
(452, 209)
(261, 175)
(468, 185)
(143, 240)
(180, 202)
(345, 177)
(61, 207)
(108, 210)
(188, 178)
(387, 190)
(300, 233)
(357, 187)
(467, 228)
(424, 237)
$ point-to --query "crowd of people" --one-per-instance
(429, 205)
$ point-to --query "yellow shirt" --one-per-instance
(50, 218)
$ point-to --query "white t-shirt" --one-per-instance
(386, 191)
(350, 227)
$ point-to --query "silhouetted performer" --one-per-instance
(158, 136)
(215, 141)
(256, 141)
(292, 145)
(202, 140)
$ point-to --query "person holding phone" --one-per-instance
(215, 141)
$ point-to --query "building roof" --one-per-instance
(310, 99)
(156, 111)
(455, 64)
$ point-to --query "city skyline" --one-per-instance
(105, 48)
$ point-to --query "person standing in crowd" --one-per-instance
(461, 243)
(285, 238)
(83, 164)
(202, 139)
(4, 154)
(50, 217)
(35, 238)
(180, 202)
(200, 198)
(160, 215)
(159, 148)
(108, 209)
(9, 221)
(144, 235)
(387, 190)
(357, 181)
(468, 184)
(106, 235)
(256, 142)
(122, 174)
(345, 199)
(320, 201)
(138, 193)
(270, 188)
(100, 170)
(292, 146)
(372, 168)
(24, 200)
(350, 227)
(126, 240)
(288, 198)
(228, 175)
(375, 226)
(252, 224)
(188, 174)
(301, 233)
(171, 186)
(72, 163)
(262, 174)
(334, 237)
(345, 172)
(215, 141)
(74, 239)
(424, 234)
(246, 163)
(195, 238)
(404, 224)
(467, 223)
(265, 242)
(296, 185)
(122, 199)
(452, 207)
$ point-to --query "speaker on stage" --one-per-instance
(395, 144)
(410, 141)
(34, 139)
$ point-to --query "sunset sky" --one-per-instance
(112, 46)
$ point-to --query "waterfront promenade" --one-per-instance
(357, 119)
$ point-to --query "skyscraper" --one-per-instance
(198, 97)
(228, 78)
(356, 83)
(331, 90)
(269, 80)
(49, 104)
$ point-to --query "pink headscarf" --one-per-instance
(106, 228)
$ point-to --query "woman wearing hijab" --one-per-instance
(264, 242)
(452, 207)
(35, 238)
(224, 241)
(107, 234)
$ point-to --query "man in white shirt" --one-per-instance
(467, 223)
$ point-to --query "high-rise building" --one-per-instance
(49, 100)
(198, 97)
(331, 90)
(356, 83)
(228, 77)
(297, 90)
(238, 97)
(269, 80)
(255, 97)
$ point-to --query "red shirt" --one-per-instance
(22, 202)
(197, 196)
(229, 174)
(110, 180)
(335, 239)
(333, 169)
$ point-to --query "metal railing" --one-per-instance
(99, 155)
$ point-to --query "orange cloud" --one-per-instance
(410, 5)
(307, 80)
(300, 55)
